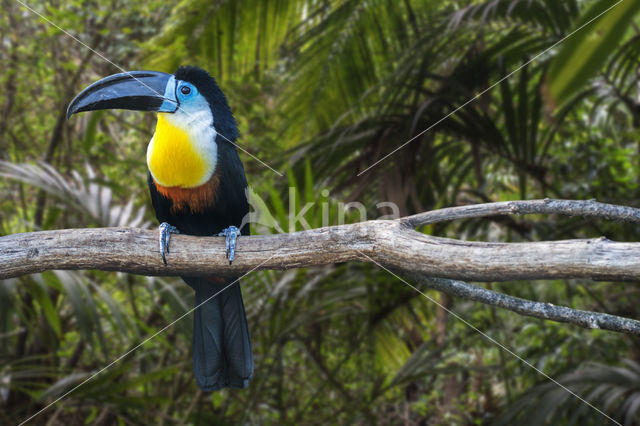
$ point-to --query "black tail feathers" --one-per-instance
(222, 355)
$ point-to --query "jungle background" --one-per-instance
(321, 90)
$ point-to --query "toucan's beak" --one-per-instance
(137, 90)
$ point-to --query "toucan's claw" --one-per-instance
(165, 238)
(232, 234)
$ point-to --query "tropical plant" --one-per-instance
(491, 106)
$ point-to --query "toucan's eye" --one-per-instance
(186, 90)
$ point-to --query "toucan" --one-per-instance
(198, 187)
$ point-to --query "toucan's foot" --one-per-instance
(165, 237)
(232, 234)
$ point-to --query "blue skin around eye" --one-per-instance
(192, 93)
(191, 103)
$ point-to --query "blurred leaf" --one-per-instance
(85, 195)
(91, 131)
(583, 54)
(39, 292)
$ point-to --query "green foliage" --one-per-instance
(322, 90)
(613, 388)
(585, 53)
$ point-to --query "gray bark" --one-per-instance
(393, 244)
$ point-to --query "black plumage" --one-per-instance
(222, 354)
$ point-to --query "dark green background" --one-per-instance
(321, 90)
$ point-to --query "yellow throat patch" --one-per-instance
(173, 158)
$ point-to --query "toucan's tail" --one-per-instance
(222, 356)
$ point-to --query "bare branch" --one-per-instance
(548, 311)
(585, 208)
(388, 242)
(394, 244)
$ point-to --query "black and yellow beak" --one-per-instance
(134, 90)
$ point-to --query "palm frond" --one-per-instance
(83, 195)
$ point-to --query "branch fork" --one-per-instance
(392, 243)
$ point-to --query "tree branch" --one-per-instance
(585, 208)
(548, 311)
(392, 243)
(387, 242)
